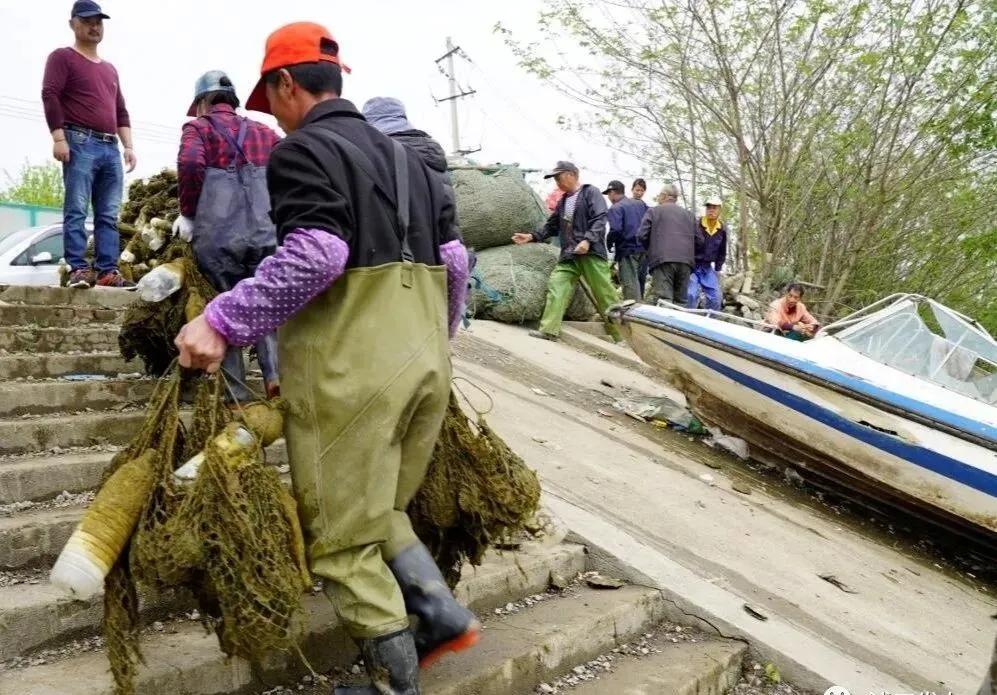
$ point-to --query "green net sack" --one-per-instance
(477, 492)
(510, 285)
(492, 205)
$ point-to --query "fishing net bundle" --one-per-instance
(477, 492)
(148, 329)
(231, 537)
(145, 223)
(494, 204)
(510, 285)
(149, 198)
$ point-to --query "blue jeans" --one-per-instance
(93, 175)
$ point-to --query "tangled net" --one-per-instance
(477, 491)
(149, 328)
(231, 537)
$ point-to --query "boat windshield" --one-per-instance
(929, 341)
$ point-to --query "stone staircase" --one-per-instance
(68, 402)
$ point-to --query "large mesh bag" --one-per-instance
(510, 285)
(492, 205)
(477, 491)
(231, 537)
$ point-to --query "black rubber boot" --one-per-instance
(444, 625)
(392, 665)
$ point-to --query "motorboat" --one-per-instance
(897, 402)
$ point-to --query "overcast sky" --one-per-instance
(391, 45)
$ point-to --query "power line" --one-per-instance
(36, 103)
(38, 116)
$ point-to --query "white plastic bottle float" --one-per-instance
(108, 523)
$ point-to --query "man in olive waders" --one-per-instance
(359, 289)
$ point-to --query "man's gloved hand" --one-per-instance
(183, 227)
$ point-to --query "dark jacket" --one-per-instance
(588, 222)
(625, 217)
(316, 183)
(435, 158)
(711, 248)
(669, 234)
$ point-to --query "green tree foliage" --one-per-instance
(854, 141)
(37, 184)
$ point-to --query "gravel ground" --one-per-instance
(22, 576)
(60, 451)
(64, 499)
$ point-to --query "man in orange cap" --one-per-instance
(369, 258)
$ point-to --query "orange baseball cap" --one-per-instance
(293, 44)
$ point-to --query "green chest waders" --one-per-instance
(366, 370)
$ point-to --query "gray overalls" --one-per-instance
(233, 233)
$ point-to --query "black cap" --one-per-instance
(615, 186)
(87, 8)
(561, 168)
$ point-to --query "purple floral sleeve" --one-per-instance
(454, 257)
(303, 267)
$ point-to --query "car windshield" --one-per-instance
(929, 341)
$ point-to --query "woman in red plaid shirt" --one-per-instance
(224, 204)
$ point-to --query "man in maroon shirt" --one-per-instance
(86, 114)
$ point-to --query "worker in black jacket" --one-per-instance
(365, 288)
(387, 114)
(580, 222)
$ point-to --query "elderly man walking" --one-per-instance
(86, 115)
(668, 231)
(580, 222)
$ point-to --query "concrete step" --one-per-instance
(35, 536)
(40, 615)
(104, 297)
(190, 662)
(89, 339)
(712, 667)
(52, 365)
(520, 651)
(43, 476)
(55, 316)
(65, 396)
(37, 434)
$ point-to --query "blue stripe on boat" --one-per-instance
(925, 458)
(853, 383)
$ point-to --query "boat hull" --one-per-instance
(886, 457)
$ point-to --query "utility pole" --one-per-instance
(455, 93)
(454, 127)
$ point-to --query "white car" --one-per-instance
(31, 256)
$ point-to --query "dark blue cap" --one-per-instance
(87, 8)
